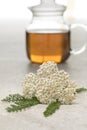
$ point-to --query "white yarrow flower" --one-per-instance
(49, 85)
(47, 68)
(29, 85)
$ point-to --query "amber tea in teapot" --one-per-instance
(42, 47)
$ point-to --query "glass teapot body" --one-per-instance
(48, 36)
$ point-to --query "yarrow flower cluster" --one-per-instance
(49, 85)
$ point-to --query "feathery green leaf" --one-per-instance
(13, 98)
(18, 106)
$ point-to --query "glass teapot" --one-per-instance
(48, 36)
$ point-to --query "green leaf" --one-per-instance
(52, 108)
(13, 98)
(18, 106)
(79, 90)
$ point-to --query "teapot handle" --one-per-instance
(81, 49)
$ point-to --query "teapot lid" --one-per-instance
(47, 7)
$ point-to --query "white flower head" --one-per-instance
(47, 68)
(29, 90)
(45, 91)
(29, 85)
